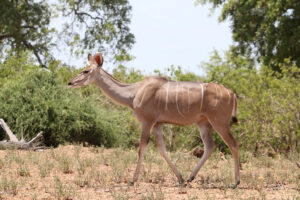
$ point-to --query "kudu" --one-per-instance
(157, 100)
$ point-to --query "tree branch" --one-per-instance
(10, 134)
(87, 14)
(29, 26)
(35, 52)
(4, 36)
(81, 13)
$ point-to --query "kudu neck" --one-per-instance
(121, 93)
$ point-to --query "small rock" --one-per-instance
(182, 192)
(198, 152)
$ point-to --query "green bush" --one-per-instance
(33, 100)
(39, 101)
(14, 64)
(269, 107)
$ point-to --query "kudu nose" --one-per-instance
(69, 83)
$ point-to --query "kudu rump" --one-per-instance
(157, 100)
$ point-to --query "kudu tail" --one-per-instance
(234, 119)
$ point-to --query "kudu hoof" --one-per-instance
(236, 184)
(181, 182)
(131, 183)
(190, 179)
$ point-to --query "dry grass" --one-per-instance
(76, 172)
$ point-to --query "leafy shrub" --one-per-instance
(14, 64)
(38, 101)
(269, 110)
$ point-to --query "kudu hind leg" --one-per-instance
(224, 131)
(142, 148)
(158, 131)
(209, 146)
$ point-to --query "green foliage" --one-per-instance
(39, 101)
(24, 25)
(84, 24)
(268, 29)
(104, 23)
(176, 73)
(33, 100)
(269, 109)
(127, 75)
(13, 65)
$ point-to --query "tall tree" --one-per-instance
(270, 30)
(38, 26)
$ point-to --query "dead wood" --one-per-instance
(14, 143)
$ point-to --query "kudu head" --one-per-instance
(87, 75)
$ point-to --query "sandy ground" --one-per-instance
(76, 172)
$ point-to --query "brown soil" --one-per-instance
(76, 172)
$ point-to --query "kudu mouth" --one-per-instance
(77, 82)
(72, 85)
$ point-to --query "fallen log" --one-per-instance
(14, 143)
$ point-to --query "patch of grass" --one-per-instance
(65, 164)
(120, 196)
(9, 185)
(45, 168)
(82, 181)
(100, 178)
(83, 164)
(99, 173)
(23, 171)
(155, 193)
(2, 164)
(63, 191)
(34, 196)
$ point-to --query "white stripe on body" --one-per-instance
(217, 101)
(233, 108)
(202, 92)
(228, 95)
(142, 99)
(158, 103)
(167, 96)
(177, 99)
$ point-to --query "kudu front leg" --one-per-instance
(209, 146)
(142, 148)
(158, 131)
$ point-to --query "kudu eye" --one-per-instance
(86, 71)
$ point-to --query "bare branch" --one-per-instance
(81, 13)
(33, 144)
(86, 14)
(35, 52)
(10, 134)
(38, 136)
(4, 36)
(28, 26)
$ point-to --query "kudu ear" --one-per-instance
(91, 59)
(99, 59)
